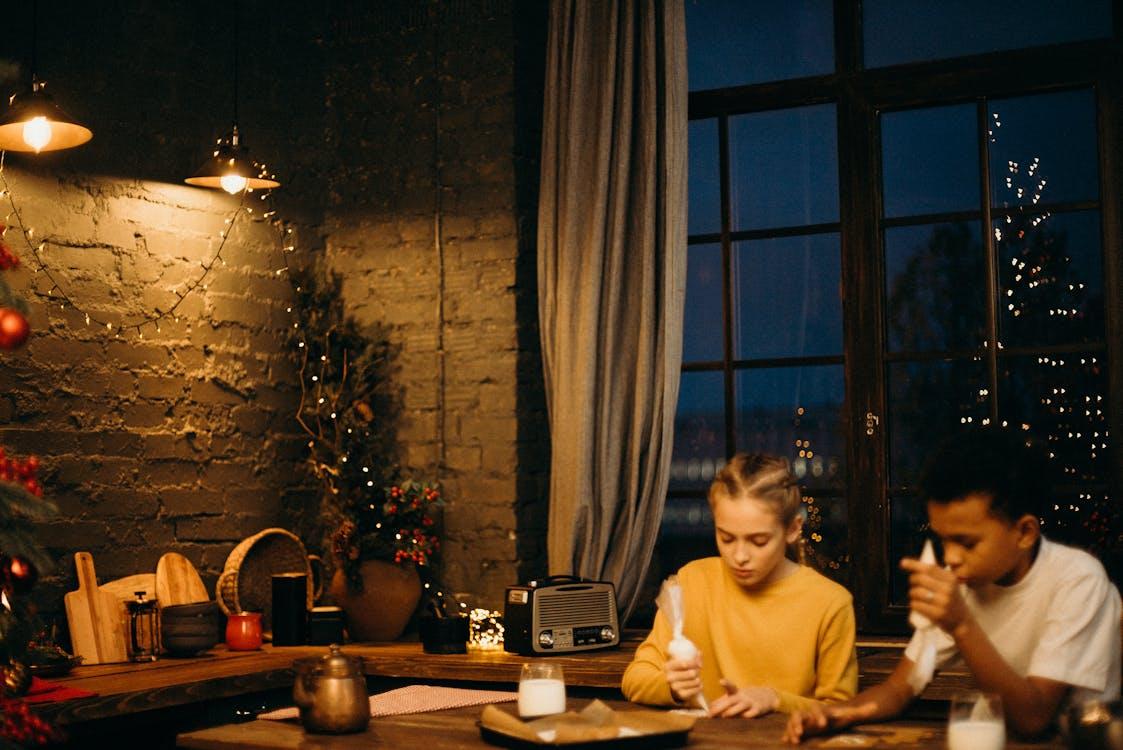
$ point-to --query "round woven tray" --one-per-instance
(246, 583)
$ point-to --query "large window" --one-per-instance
(904, 217)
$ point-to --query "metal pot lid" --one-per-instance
(337, 664)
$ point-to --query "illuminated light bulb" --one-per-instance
(37, 133)
(233, 183)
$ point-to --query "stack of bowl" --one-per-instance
(189, 629)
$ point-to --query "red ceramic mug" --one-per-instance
(243, 631)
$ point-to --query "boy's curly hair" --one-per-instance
(1008, 467)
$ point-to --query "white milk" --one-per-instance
(976, 735)
(540, 697)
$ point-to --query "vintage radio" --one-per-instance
(560, 615)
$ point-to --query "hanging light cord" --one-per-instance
(438, 230)
(151, 319)
(237, 18)
(34, 41)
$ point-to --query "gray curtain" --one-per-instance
(611, 278)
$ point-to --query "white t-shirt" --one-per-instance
(1060, 622)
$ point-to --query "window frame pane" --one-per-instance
(860, 96)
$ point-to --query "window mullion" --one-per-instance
(992, 295)
(727, 284)
(862, 347)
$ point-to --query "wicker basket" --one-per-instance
(246, 583)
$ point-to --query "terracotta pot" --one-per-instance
(381, 610)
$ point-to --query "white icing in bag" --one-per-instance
(669, 602)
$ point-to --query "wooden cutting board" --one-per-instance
(125, 588)
(177, 581)
(94, 618)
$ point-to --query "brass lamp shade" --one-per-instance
(230, 168)
(34, 122)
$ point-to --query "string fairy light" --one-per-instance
(485, 630)
(58, 292)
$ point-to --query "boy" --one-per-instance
(1035, 621)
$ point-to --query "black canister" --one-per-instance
(290, 609)
(325, 626)
(444, 635)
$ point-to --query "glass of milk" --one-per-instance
(976, 722)
(541, 689)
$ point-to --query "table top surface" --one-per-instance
(129, 688)
(457, 729)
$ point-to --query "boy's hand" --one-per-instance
(747, 702)
(684, 678)
(934, 593)
(820, 718)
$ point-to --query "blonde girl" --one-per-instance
(772, 634)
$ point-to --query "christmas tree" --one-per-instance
(21, 558)
(21, 505)
(14, 328)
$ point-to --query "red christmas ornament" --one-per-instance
(19, 573)
(14, 329)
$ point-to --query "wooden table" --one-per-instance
(456, 729)
(131, 688)
(125, 689)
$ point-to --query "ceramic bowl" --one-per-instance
(199, 627)
(188, 645)
(197, 609)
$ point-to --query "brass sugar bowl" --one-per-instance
(331, 693)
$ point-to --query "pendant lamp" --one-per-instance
(33, 122)
(230, 166)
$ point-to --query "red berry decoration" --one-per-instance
(14, 329)
(19, 725)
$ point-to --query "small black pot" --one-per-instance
(444, 635)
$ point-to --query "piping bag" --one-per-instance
(669, 602)
(925, 665)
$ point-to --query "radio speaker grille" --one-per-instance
(575, 609)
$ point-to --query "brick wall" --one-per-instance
(434, 111)
(183, 439)
(179, 438)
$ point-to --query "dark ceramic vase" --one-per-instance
(381, 610)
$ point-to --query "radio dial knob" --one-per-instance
(546, 638)
(607, 634)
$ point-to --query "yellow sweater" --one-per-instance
(795, 635)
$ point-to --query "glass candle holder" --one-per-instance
(243, 631)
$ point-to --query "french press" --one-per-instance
(144, 641)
